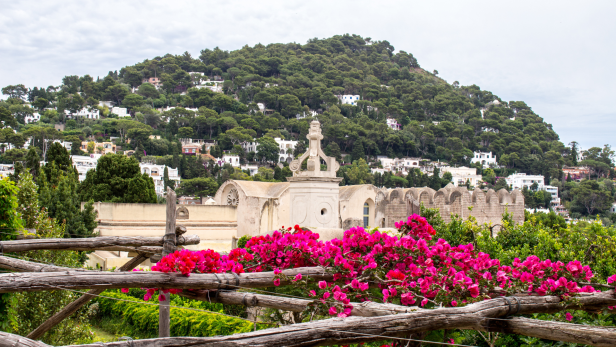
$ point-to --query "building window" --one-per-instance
(366, 214)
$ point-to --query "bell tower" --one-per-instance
(315, 193)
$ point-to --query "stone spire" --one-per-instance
(314, 155)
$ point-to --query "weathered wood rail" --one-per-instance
(109, 243)
(487, 315)
(28, 282)
(71, 308)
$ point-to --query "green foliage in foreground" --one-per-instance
(138, 320)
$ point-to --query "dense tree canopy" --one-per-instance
(117, 178)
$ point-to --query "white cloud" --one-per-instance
(554, 56)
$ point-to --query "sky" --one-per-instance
(557, 56)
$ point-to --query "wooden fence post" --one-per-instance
(164, 311)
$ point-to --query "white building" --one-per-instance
(250, 146)
(66, 144)
(461, 175)
(157, 172)
(287, 147)
(393, 124)
(403, 165)
(6, 170)
(261, 106)
(253, 169)
(232, 159)
(108, 104)
(84, 163)
(35, 117)
(215, 86)
(554, 193)
(486, 159)
(348, 99)
(303, 115)
(520, 180)
(84, 112)
(120, 111)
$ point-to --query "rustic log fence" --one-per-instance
(370, 321)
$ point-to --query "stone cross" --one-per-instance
(314, 156)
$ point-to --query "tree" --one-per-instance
(10, 221)
(18, 91)
(133, 100)
(200, 186)
(267, 149)
(28, 310)
(359, 173)
(117, 178)
(117, 93)
(185, 132)
(289, 105)
(166, 181)
(500, 184)
(358, 151)
(148, 90)
(6, 118)
(588, 198)
(33, 162)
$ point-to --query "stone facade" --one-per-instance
(393, 205)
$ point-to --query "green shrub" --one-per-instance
(136, 319)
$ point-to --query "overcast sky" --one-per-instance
(556, 56)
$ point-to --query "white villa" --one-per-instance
(461, 175)
(84, 112)
(486, 159)
(393, 124)
(85, 163)
(157, 173)
(35, 117)
(120, 111)
(286, 148)
(348, 99)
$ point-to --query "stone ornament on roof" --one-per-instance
(314, 155)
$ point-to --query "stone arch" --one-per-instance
(281, 159)
(441, 197)
(394, 195)
(425, 197)
(455, 195)
(282, 151)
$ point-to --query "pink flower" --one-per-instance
(276, 271)
(326, 295)
(298, 277)
(161, 297)
(124, 290)
(322, 284)
(452, 341)
(568, 316)
(611, 279)
(454, 303)
(424, 302)
(277, 282)
(332, 310)
(313, 293)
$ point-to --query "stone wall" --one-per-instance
(215, 225)
(397, 204)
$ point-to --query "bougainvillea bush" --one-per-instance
(410, 268)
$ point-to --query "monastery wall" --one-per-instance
(216, 225)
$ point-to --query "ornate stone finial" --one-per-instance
(314, 155)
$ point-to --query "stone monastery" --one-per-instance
(311, 198)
